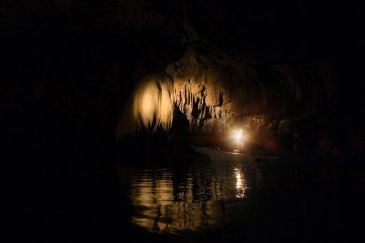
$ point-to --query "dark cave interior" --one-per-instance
(68, 67)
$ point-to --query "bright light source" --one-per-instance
(240, 137)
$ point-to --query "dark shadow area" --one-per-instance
(68, 67)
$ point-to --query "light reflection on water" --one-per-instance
(170, 200)
(240, 183)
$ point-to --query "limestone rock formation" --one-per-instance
(212, 89)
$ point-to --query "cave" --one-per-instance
(183, 120)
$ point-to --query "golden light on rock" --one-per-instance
(150, 106)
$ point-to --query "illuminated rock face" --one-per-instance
(213, 90)
(216, 93)
(149, 106)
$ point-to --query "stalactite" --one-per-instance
(149, 107)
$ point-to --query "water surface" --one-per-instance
(263, 200)
(186, 198)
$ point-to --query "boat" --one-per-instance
(217, 155)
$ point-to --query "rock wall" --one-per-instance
(212, 89)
